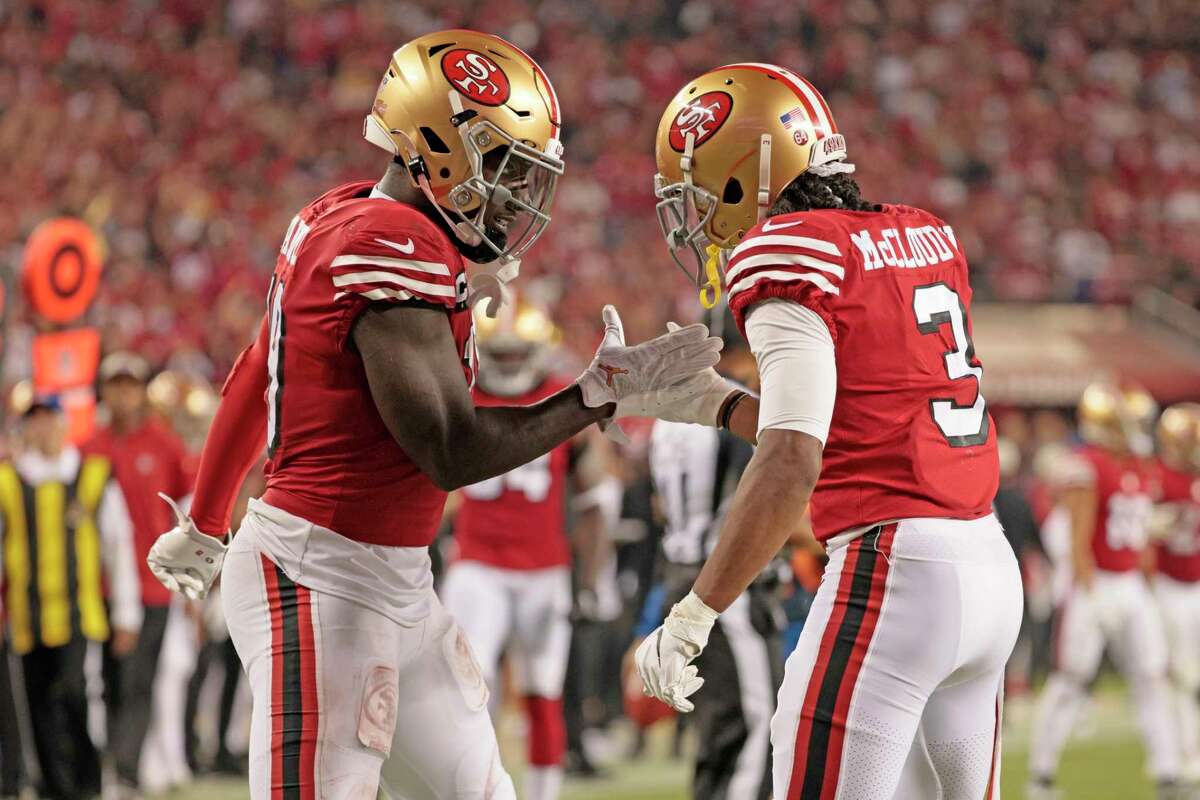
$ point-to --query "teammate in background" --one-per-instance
(147, 458)
(365, 360)
(1177, 578)
(510, 581)
(1108, 490)
(695, 470)
(872, 406)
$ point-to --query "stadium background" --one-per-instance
(1059, 139)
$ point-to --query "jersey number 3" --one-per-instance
(935, 305)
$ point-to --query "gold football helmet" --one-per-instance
(1118, 417)
(729, 142)
(515, 348)
(1179, 436)
(474, 119)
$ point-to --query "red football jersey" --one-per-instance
(911, 435)
(331, 460)
(518, 520)
(1126, 488)
(1179, 553)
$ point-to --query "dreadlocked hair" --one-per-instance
(809, 192)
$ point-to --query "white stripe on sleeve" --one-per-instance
(784, 240)
(430, 267)
(386, 294)
(783, 276)
(392, 279)
(782, 260)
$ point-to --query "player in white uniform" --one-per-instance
(1109, 487)
(1177, 568)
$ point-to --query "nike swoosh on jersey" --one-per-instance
(407, 248)
(767, 226)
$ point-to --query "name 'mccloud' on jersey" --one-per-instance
(911, 435)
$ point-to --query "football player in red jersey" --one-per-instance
(1108, 490)
(1177, 563)
(871, 404)
(510, 581)
(360, 679)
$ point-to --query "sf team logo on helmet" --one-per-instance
(476, 76)
(702, 117)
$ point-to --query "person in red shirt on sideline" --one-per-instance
(147, 458)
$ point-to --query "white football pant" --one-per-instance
(347, 702)
(529, 610)
(1179, 604)
(895, 688)
(1119, 611)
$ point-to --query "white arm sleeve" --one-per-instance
(796, 367)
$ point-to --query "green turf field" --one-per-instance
(1103, 762)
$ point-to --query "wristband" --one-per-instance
(727, 407)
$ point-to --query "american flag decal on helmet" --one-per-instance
(795, 115)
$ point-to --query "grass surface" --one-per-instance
(1102, 762)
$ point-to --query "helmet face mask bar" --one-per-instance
(524, 182)
(684, 209)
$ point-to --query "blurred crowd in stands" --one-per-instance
(1058, 139)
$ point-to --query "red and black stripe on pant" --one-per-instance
(295, 711)
(820, 736)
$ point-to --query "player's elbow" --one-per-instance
(794, 455)
(446, 475)
(450, 469)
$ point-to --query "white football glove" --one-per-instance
(696, 399)
(619, 371)
(664, 658)
(184, 559)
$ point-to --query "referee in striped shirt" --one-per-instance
(63, 530)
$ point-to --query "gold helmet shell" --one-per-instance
(728, 144)
(1178, 435)
(515, 347)
(1118, 417)
(447, 101)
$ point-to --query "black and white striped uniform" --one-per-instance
(695, 471)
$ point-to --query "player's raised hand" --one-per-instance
(696, 399)
(185, 560)
(620, 370)
(664, 658)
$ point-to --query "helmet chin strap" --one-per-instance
(421, 178)
(764, 176)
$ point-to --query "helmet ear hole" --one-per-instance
(732, 193)
(435, 143)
